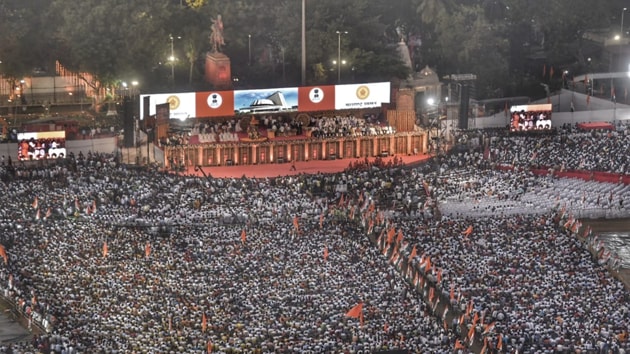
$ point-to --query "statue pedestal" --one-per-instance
(218, 71)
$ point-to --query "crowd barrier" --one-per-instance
(25, 311)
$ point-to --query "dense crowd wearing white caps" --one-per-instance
(535, 285)
(569, 149)
(270, 288)
(267, 289)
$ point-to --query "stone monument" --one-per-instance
(218, 69)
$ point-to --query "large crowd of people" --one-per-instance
(112, 259)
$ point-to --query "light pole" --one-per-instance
(172, 57)
(172, 60)
(303, 42)
(622, 12)
(339, 33)
(249, 49)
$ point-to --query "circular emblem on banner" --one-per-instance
(173, 102)
(363, 92)
(316, 95)
(215, 100)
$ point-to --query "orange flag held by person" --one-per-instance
(468, 231)
(500, 342)
(35, 203)
(321, 220)
(204, 322)
(147, 250)
(427, 266)
(325, 253)
(390, 234)
(48, 212)
(209, 347)
(243, 236)
(296, 223)
(356, 312)
(414, 253)
(105, 250)
(3, 254)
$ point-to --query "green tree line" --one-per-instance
(504, 42)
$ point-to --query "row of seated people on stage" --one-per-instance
(319, 127)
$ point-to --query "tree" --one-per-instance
(24, 45)
(113, 40)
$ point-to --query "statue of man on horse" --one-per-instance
(216, 36)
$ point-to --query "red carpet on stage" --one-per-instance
(284, 169)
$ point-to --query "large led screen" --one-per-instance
(530, 117)
(263, 101)
(266, 101)
(41, 145)
(182, 105)
(357, 96)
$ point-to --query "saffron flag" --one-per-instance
(356, 311)
(488, 328)
(243, 236)
(296, 223)
(414, 253)
(147, 250)
(390, 234)
(94, 206)
(204, 322)
(35, 203)
(105, 250)
(325, 253)
(471, 334)
(37, 215)
(48, 212)
(209, 347)
(500, 342)
(399, 238)
(3, 254)
(468, 231)
(321, 220)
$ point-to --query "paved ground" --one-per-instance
(12, 328)
(613, 225)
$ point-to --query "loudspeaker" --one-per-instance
(128, 123)
(463, 107)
